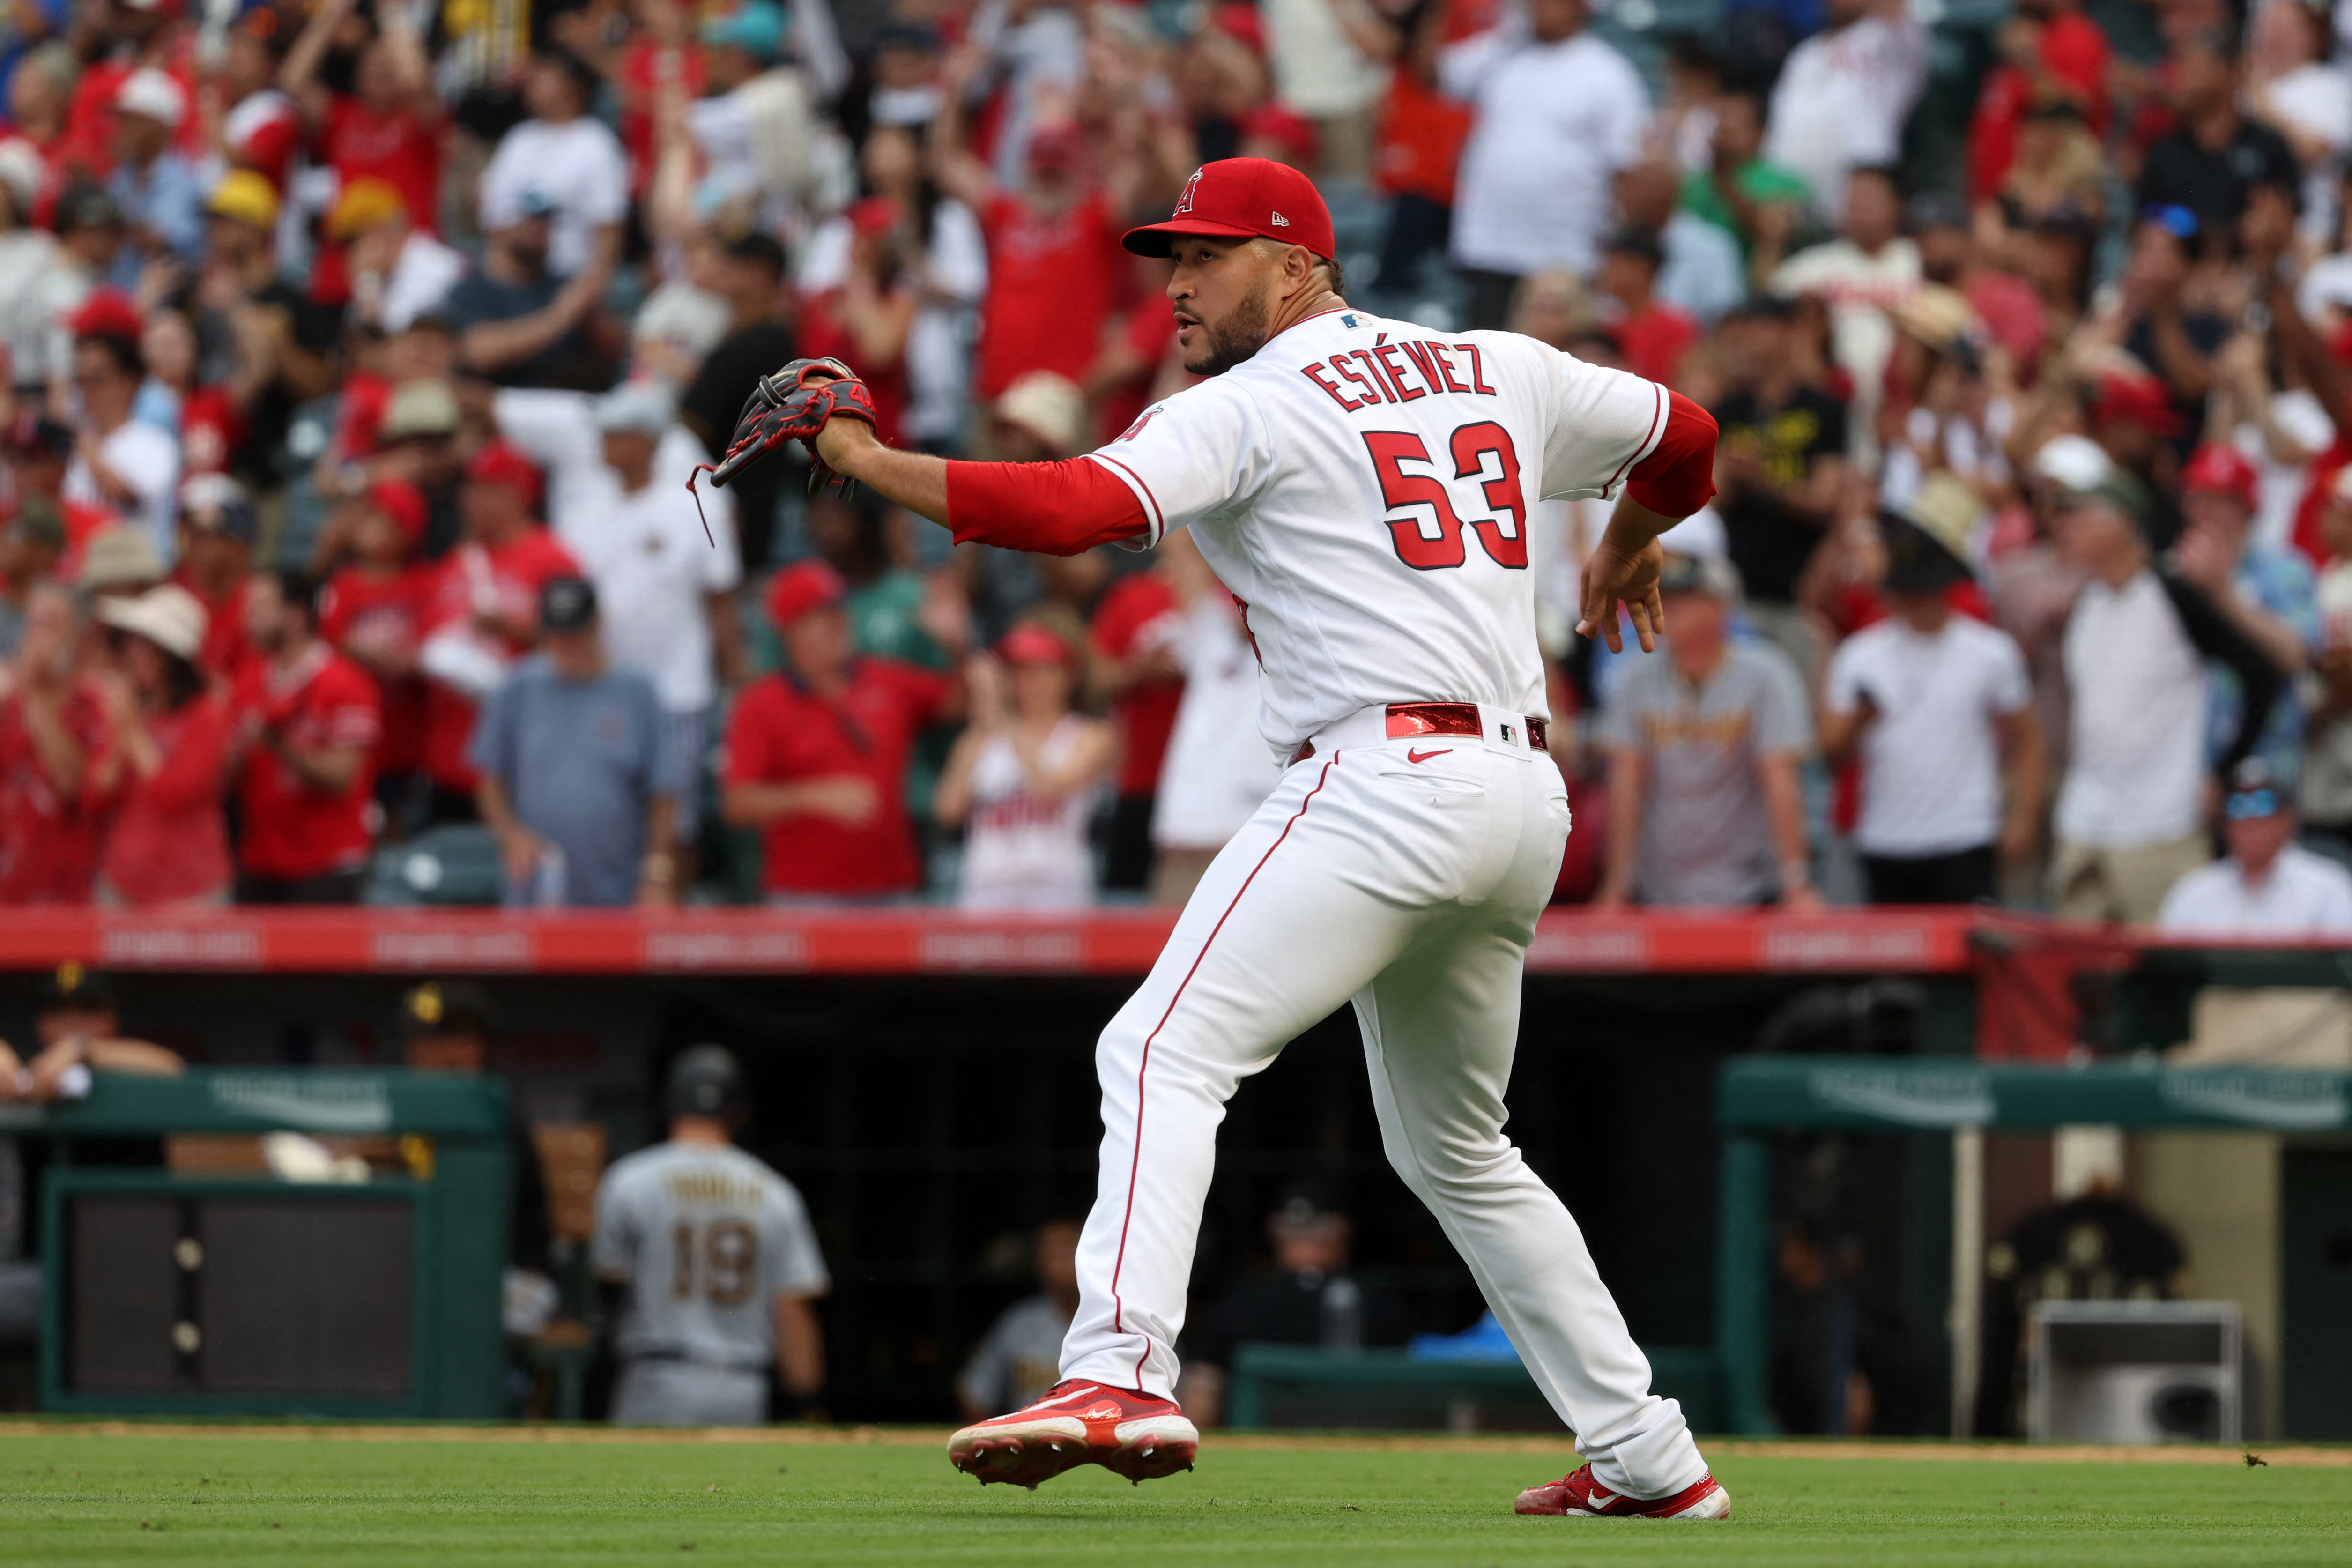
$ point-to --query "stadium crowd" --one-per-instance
(359, 355)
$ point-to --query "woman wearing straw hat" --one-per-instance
(166, 768)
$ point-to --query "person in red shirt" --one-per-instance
(867, 319)
(308, 723)
(1055, 265)
(217, 529)
(1137, 670)
(372, 612)
(481, 614)
(1653, 334)
(51, 734)
(388, 128)
(817, 753)
(165, 768)
(2051, 53)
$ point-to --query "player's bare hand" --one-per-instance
(1612, 576)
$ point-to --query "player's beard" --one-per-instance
(1229, 342)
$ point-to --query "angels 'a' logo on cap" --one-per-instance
(1280, 221)
(1184, 202)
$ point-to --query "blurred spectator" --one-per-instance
(1699, 271)
(1759, 203)
(749, 274)
(868, 321)
(1022, 777)
(418, 445)
(1418, 154)
(157, 188)
(580, 769)
(40, 285)
(397, 270)
(617, 470)
(385, 124)
(2166, 325)
(2267, 885)
(372, 610)
(756, 125)
(217, 529)
(1217, 771)
(1780, 468)
(1950, 400)
(893, 612)
(565, 162)
(1559, 113)
(521, 324)
(120, 463)
(1843, 95)
(51, 731)
(1140, 668)
(1019, 1357)
(2266, 593)
(250, 123)
(1863, 274)
(78, 1028)
(2130, 816)
(119, 562)
(31, 544)
(165, 762)
(2217, 156)
(1309, 1297)
(2326, 790)
(1703, 746)
(817, 753)
(481, 614)
(1331, 64)
(1935, 702)
(273, 345)
(2051, 53)
(1653, 334)
(310, 721)
(2292, 87)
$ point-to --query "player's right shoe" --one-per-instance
(1579, 1496)
(1079, 1422)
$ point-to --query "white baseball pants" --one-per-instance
(1411, 887)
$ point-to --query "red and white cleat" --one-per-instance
(1579, 1496)
(1079, 1422)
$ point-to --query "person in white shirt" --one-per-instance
(569, 158)
(2130, 818)
(122, 464)
(2268, 884)
(1869, 271)
(617, 467)
(1843, 95)
(1324, 70)
(2296, 90)
(1024, 777)
(1560, 114)
(1933, 702)
(1217, 771)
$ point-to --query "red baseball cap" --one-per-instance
(499, 464)
(1243, 198)
(107, 313)
(2218, 467)
(802, 587)
(403, 503)
(2124, 397)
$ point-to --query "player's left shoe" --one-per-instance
(1079, 1422)
(1579, 1496)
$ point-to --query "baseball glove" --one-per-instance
(791, 406)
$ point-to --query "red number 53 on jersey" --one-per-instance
(1421, 518)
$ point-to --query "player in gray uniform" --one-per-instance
(721, 1265)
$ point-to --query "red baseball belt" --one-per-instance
(1410, 718)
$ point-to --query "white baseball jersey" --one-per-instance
(1363, 486)
(707, 1236)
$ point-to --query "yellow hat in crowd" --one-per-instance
(360, 206)
(245, 196)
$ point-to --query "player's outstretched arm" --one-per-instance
(915, 480)
(1055, 509)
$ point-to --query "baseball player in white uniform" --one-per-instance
(1362, 486)
(721, 1267)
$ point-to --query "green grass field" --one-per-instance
(76, 1498)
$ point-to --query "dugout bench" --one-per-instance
(172, 1292)
(1954, 1103)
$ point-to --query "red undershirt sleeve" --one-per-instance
(1053, 509)
(1678, 475)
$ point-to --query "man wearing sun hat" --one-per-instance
(816, 753)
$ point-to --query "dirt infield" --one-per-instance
(2293, 1458)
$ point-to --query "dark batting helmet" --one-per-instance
(704, 1082)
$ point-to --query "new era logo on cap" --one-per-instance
(1241, 198)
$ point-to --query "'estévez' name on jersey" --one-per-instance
(707, 1238)
(1363, 486)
